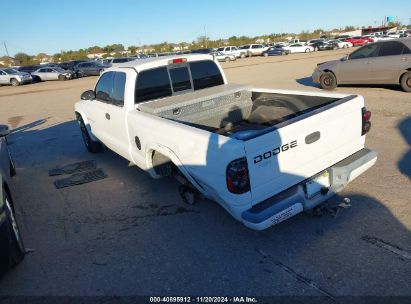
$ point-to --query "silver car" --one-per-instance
(52, 73)
(14, 77)
(383, 62)
(11, 244)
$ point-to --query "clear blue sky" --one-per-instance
(50, 26)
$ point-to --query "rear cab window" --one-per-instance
(171, 80)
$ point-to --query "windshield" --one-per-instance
(11, 71)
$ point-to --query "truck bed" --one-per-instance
(235, 110)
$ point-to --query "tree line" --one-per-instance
(117, 50)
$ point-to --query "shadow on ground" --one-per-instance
(405, 163)
(125, 235)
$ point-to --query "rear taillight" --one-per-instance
(366, 123)
(238, 180)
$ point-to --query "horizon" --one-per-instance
(70, 26)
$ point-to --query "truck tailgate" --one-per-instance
(303, 146)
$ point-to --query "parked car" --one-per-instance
(29, 68)
(383, 62)
(233, 50)
(13, 77)
(202, 51)
(253, 49)
(393, 34)
(322, 45)
(341, 44)
(116, 61)
(90, 68)
(56, 73)
(275, 51)
(265, 155)
(69, 65)
(11, 243)
(358, 41)
(223, 57)
(299, 48)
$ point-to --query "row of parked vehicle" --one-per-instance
(61, 71)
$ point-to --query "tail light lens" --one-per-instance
(238, 180)
(366, 123)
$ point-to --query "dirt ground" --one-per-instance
(131, 235)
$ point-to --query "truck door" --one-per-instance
(109, 105)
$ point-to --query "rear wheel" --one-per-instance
(406, 82)
(14, 82)
(92, 146)
(62, 77)
(307, 50)
(10, 238)
(328, 81)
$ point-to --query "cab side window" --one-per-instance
(110, 88)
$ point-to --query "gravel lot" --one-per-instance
(131, 235)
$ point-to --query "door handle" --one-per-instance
(107, 116)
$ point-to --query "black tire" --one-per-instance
(307, 50)
(406, 82)
(328, 81)
(14, 82)
(92, 146)
(12, 246)
(62, 77)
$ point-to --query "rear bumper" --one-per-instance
(295, 199)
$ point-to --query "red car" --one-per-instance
(357, 41)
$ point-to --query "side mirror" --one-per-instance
(345, 58)
(88, 95)
(4, 130)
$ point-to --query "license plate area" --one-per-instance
(314, 185)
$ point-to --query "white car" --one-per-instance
(393, 34)
(299, 48)
(223, 57)
(254, 49)
(52, 73)
(265, 155)
(341, 44)
(232, 50)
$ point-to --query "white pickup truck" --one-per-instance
(263, 154)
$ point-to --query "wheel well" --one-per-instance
(12, 79)
(162, 165)
(402, 75)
